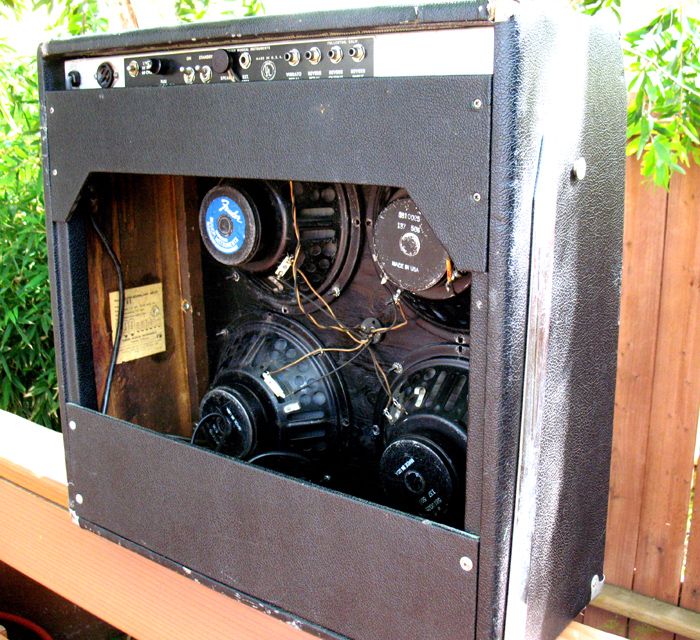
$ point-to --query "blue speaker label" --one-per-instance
(225, 223)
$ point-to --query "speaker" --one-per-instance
(336, 304)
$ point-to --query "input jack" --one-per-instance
(335, 54)
(313, 55)
(245, 60)
(357, 52)
(293, 57)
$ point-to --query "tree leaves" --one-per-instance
(27, 375)
(592, 7)
(194, 10)
(663, 67)
(28, 384)
(27, 366)
(664, 112)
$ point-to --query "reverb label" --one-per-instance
(226, 225)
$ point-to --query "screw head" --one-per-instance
(54, 172)
(466, 563)
(72, 425)
(477, 197)
(579, 169)
(235, 276)
(375, 430)
(79, 498)
(477, 104)
(51, 110)
(336, 291)
(186, 306)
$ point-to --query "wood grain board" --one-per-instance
(149, 222)
(655, 614)
(657, 401)
(674, 408)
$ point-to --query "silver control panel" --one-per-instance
(445, 52)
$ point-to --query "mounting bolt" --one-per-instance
(578, 171)
(79, 498)
(466, 563)
(235, 276)
(186, 306)
(477, 104)
(375, 430)
(397, 367)
(51, 110)
(72, 425)
(477, 197)
(336, 291)
(54, 172)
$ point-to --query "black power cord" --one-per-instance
(120, 314)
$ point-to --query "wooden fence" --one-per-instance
(653, 540)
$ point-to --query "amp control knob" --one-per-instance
(221, 61)
(155, 66)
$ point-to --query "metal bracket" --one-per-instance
(596, 586)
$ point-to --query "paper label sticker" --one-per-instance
(143, 333)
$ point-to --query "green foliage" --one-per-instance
(191, 10)
(27, 370)
(664, 113)
(591, 7)
(662, 63)
(27, 367)
(77, 17)
(194, 10)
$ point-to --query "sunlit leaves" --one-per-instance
(194, 10)
(27, 370)
(594, 6)
(662, 64)
(664, 82)
(191, 10)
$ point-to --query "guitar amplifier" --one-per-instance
(336, 304)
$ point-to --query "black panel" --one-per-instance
(291, 544)
(307, 130)
(253, 63)
(574, 466)
(512, 183)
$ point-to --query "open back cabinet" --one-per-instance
(363, 272)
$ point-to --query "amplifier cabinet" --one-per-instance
(336, 302)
